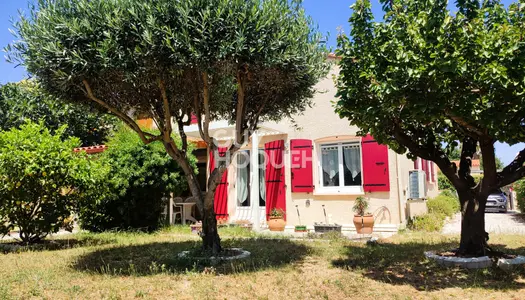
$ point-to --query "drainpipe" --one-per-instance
(399, 191)
(254, 192)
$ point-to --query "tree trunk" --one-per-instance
(210, 235)
(473, 235)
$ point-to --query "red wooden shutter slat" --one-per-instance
(375, 166)
(424, 163)
(432, 172)
(301, 166)
(416, 164)
(274, 176)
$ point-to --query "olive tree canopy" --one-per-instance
(245, 61)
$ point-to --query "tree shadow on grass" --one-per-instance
(157, 258)
(518, 217)
(405, 263)
(12, 246)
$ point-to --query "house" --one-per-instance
(315, 164)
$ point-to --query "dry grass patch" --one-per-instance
(134, 265)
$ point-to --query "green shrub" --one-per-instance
(41, 179)
(428, 222)
(519, 187)
(440, 207)
(443, 204)
(136, 188)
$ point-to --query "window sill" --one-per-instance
(358, 191)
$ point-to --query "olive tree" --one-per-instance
(244, 61)
(426, 77)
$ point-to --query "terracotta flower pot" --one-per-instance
(364, 224)
(276, 224)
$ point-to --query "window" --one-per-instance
(244, 177)
(340, 165)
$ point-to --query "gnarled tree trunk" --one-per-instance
(473, 235)
(210, 234)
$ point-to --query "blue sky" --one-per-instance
(329, 15)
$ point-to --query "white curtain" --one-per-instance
(242, 178)
(330, 164)
(262, 174)
(352, 159)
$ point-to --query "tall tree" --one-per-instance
(26, 101)
(425, 77)
(244, 61)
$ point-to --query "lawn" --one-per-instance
(135, 265)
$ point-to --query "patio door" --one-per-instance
(244, 206)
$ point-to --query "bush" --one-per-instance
(41, 179)
(443, 204)
(428, 222)
(136, 187)
(440, 207)
(519, 187)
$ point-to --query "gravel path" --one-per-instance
(510, 223)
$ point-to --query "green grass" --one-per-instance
(146, 266)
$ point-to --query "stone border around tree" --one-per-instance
(463, 262)
(244, 254)
(474, 262)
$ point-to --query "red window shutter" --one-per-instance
(220, 202)
(432, 171)
(301, 160)
(416, 164)
(424, 163)
(194, 119)
(375, 166)
(274, 177)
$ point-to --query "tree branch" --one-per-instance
(433, 153)
(513, 172)
(144, 136)
(167, 114)
(239, 117)
(206, 98)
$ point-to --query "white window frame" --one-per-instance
(341, 189)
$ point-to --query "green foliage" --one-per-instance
(440, 207)
(361, 204)
(427, 77)
(444, 183)
(41, 179)
(124, 49)
(519, 187)
(26, 101)
(444, 205)
(427, 222)
(134, 191)
(277, 213)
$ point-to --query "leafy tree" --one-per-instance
(244, 61)
(425, 77)
(41, 179)
(25, 101)
(133, 193)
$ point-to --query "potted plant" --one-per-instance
(276, 220)
(363, 221)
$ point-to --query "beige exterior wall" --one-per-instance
(321, 123)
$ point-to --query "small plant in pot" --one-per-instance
(276, 220)
(363, 221)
